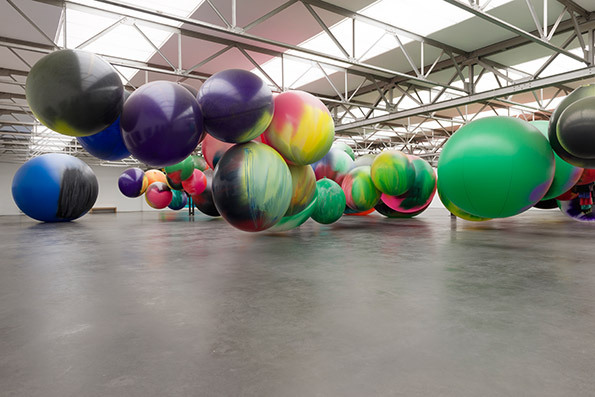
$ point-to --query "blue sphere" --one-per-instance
(107, 144)
(55, 187)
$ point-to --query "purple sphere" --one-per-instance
(133, 182)
(237, 105)
(161, 123)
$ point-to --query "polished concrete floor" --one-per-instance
(147, 304)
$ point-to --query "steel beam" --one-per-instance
(520, 32)
(467, 100)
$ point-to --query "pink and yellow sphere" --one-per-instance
(302, 129)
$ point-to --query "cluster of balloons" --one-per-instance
(501, 166)
(170, 189)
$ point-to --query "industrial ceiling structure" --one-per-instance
(394, 73)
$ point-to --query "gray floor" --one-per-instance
(154, 305)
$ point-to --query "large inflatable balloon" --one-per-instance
(252, 186)
(74, 92)
(161, 123)
(237, 105)
(580, 93)
(133, 182)
(496, 167)
(302, 129)
(55, 187)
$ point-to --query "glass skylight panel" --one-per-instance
(124, 40)
(371, 41)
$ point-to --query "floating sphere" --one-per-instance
(569, 195)
(204, 201)
(107, 144)
(54, 188)
(199, 162)
(213, 149)
(456, 210)
(180, 171)
(334, 165)
(196, 184)
(330, 202)
(390, 213)
(302, 129)
(133, 182)
(576, 132)
(393, 172)
(173, 185)
(161, 123)
(294, 221)
(191, 89)
(237, 105)
(581, 92)
(421, 193)
(344, 147)
(360, 192)
(349, 212)
(303, 189)
(74, 92)
(155, 176)
(158, 195)
(572, 209)
(178, 200)
(496, 167)
(252, 186)
(565, 175)
(587, 176)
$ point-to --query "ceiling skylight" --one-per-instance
(370, 41)
(121, 38)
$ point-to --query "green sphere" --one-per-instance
(181, 171)
(330, 202)
(456, 210)
(565, 175)
(360, 192)
(496, 167)
(199, 162)
(393, 172)
(294, 221)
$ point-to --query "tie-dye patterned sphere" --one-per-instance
(496, 167)
(360, 192)
(252, 186)
(213, 149)
(294, 221)
(334, 165)
(421, 193)
(54, 187)
(572, 208)
(178, 200)
(330, 202)
(155, 176)
(133, 182)
(393, 172)
(158, 195)
(237, 105)
(344, 147)
(180, 171)
(196, 183)
(303, 192)
(204, 201)
(302, 129)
